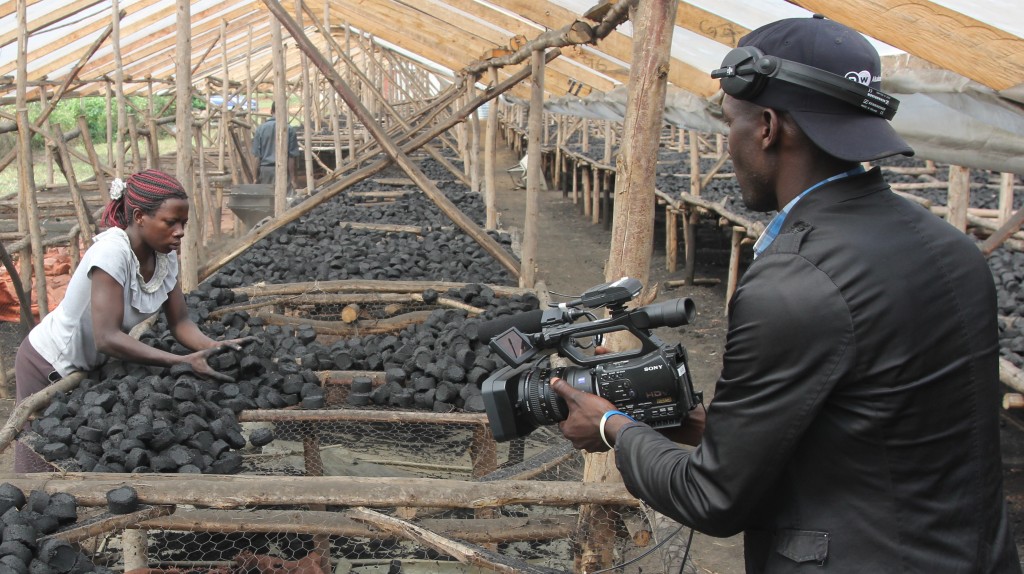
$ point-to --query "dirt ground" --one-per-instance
(571, 258)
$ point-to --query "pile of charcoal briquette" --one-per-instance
(134, 418)
(25, 523)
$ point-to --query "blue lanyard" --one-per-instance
(775, 225)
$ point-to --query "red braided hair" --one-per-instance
(146, 191)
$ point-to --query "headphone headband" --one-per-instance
(745, 72)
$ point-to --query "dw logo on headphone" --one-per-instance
(745, 72)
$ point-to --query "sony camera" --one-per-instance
(650, 383)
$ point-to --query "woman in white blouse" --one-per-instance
(127, 275)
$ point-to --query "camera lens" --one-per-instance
(545, 406)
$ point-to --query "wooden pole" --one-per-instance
(25, 172)
(632, 221)
(307, 111)
(738, 233)
(81, 211)
(490, 245)
(959, 196)
(1005, 196)
(474, 146)
(122, 107)
(333, 97)
(225, 111)
(280, 118)
(694, 163)
(671, 239)
(189, 256)
(490, 157)
(534, 174)
(48, 150)
(109, 100)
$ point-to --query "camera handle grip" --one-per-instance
(566, 348)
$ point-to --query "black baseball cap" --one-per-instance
(837, 127)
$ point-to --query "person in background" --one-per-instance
(263, 149)
(128, 274)
(855, 426)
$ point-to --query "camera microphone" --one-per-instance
(528, 322)
(672, 313)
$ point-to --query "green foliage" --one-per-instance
(94, 108)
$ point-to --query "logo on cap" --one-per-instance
(861, 77)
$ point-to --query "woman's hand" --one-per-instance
(203, 369)
(237, 344)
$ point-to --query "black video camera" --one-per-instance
(652, 383)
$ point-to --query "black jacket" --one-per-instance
(855, 424)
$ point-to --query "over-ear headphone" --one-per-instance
(745, 72)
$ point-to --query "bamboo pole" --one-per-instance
(29, 215)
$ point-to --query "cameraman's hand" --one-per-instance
(581, 427)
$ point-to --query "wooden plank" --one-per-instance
(236, 491)
(506, 529)
(944, 37)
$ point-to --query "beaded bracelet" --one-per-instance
(604, 419)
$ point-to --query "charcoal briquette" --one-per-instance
(163, 439)
(313, 402)
(63, 507)
(261, 437)
(59, 434)
(55, 451)
(13, 564)
(358, 399)
(228, 463)
(37, 501)
(136, 457)
(123, 500)
(362, 385)
(36, 566)
(443, 407)
(179, 369)
(293, 383)
(217, 448)
(424, 399)
(15, 548)
(23, 533)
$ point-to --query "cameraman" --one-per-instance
(854, 427)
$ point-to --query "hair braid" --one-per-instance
(146, 191)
